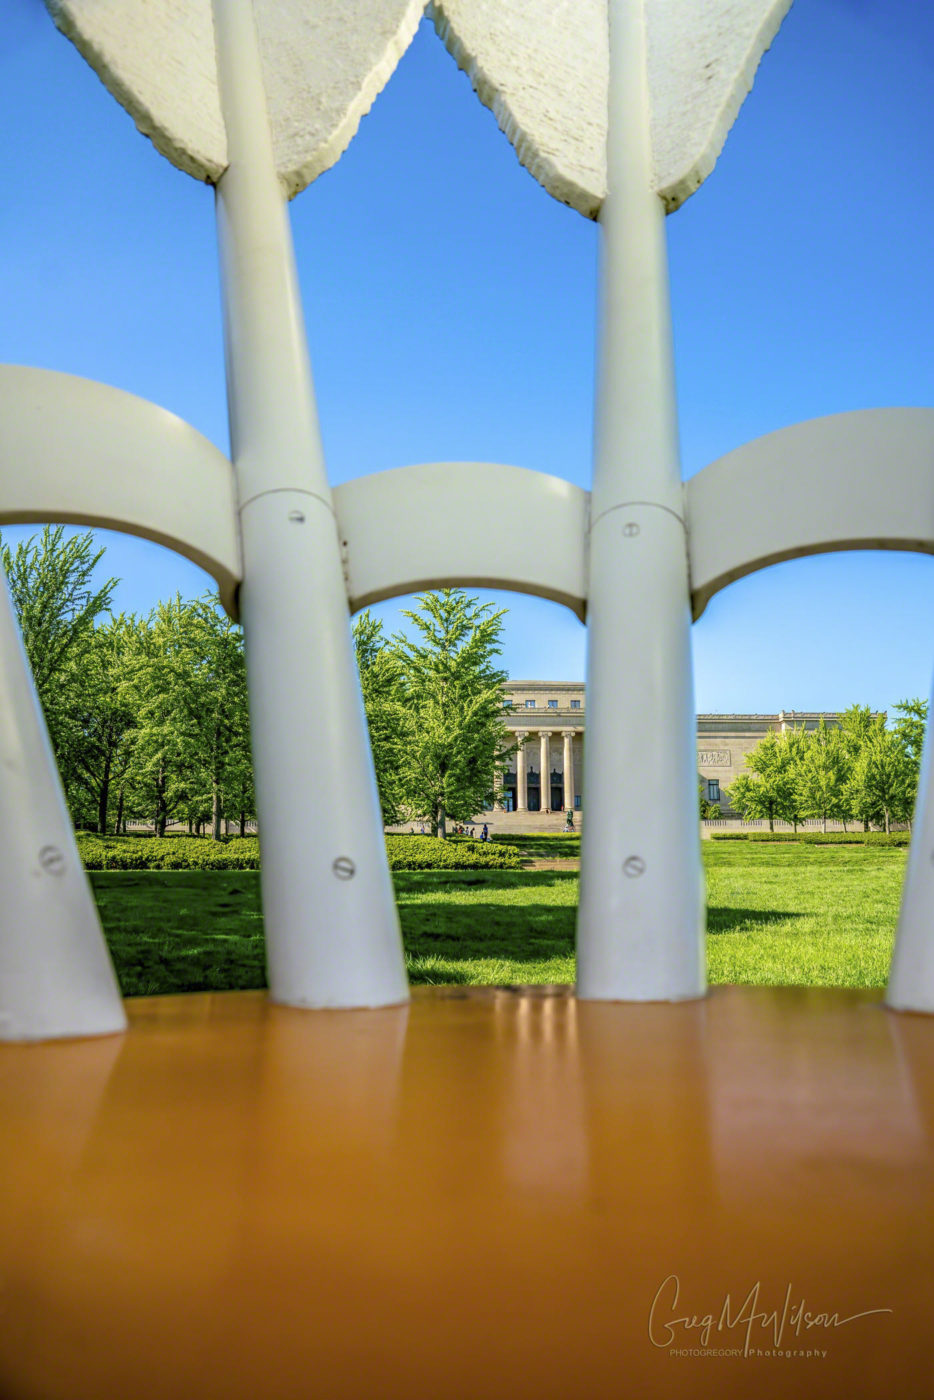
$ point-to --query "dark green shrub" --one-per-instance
(431, 853)
(818, 838)
(168, 853)
(242, 853)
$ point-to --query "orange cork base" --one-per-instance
(488, 1193)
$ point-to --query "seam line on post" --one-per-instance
(283, 490)
(625, 505)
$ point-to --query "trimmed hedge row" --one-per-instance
(431, 853)
(168, 853)
(819, 838)
(242, 853)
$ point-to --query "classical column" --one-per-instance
(520, 772)
(544, 752)
(569, 769)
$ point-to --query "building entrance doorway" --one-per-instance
(534, 799)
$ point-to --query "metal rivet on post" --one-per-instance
(630, 528)
(297, 517)
(633, 866)
(52, 860)
(344, 868)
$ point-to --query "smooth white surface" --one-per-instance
(911, 976)
(640, 931)
(862, 480)
(56, 978)
(463, 524)
(79, 452)
(332, 931)
(323, 64)
(542, 67)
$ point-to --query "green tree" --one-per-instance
(768, 790)
(451, 728)
(164, 769)
(857, 723)
(820, 774)
(101, 726)
(910, 728)
(380, 668)
(51, 581)
(215, 704)
(883, 777)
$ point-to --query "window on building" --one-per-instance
(713, 790)
(575, 704)
(530, 704)
(552, 704)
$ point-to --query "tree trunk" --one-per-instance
(823, 824)
(161, 812)
(441, 822)
(242, 823)
(886, 821)
(771, 823)
(216, 811)
(103, 799)
(120, 823)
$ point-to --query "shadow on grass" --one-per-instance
(422, 881)
(203, 931)
(520, 933)
(728, 919)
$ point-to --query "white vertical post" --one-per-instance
(332, 931)
(911, 976)
(641, 920)
(56, 977)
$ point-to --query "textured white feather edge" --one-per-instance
(205, 167)
(541, 167)
(569, 191)
(329, 153)
(681, 187)
(194, 162)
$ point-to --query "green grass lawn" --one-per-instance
(818, 915)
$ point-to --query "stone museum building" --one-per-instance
(547, 719)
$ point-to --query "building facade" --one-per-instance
(547, 719)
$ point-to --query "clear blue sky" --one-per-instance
(450, 307)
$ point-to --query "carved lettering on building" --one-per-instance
(713, 758)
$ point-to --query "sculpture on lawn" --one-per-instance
(619, 108)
